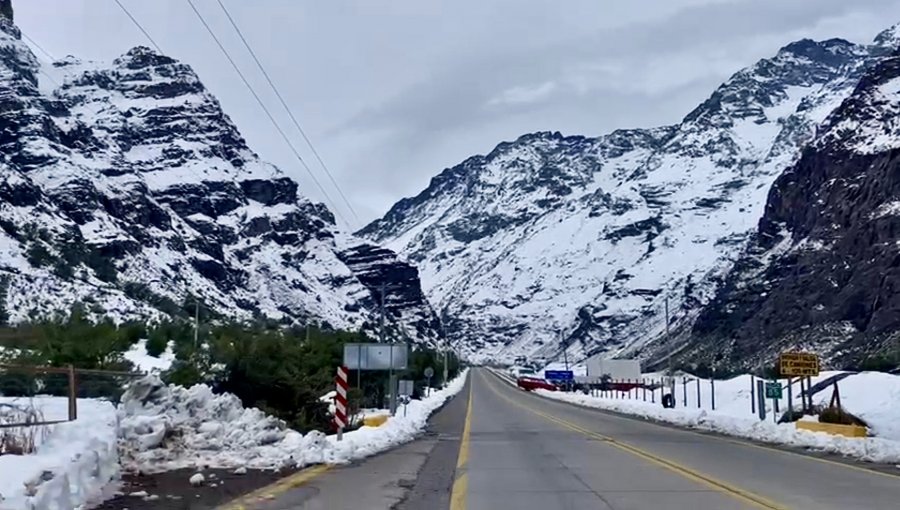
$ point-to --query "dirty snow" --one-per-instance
(170, 427)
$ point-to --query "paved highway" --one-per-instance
(495, 447)
(525, 452)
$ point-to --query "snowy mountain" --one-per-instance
(128, 188)
(822, 270)
(590, 236)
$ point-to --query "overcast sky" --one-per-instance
(391, 92)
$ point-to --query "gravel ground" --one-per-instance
(173, 491)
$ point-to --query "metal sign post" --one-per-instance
(405, 390)
(790, 398)
(773, 391)
(761, 399)
(429, 373)
(375, 356)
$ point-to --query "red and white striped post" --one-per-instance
(340, 402)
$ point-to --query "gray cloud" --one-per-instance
(392, 92)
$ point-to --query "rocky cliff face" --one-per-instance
(129, 188)
(823, 272)
(553, 241)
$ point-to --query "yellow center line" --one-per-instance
(733, 440)
(461, 482)
(691, 474)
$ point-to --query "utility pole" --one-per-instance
(196, 323)
(669, 344)
(391, 385)
(565, 351)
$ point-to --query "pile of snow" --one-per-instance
(171, 427)
(72, 464)
(870, 395)
(144, 362)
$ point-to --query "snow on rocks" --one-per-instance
(171, 427)
(71, 466)
(197, 479)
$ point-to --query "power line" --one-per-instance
(38, 46)
(288, 110)
(141, 28)
(265, 109)
(45, 52)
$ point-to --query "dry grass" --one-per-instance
(25, 438)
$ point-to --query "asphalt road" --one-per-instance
(526, 452)
(495, 447)
(412, 476)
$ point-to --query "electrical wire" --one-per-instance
(265, 110)
(288, 110)
(38, 46)
(140, 27)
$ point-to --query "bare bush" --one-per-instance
(20, 433)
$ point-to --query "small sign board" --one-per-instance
(773, 390)
(405, 387)
(374, 356)
(793, 364)
(559, 375)
(429, 372)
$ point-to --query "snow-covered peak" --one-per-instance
(888, 40)
(869, 121)
(129, 187)
(589, 236)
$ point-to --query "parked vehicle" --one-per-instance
(532, 383)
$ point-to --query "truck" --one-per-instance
(614, 369)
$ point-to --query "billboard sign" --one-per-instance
(559, 375)
(798, 364)
(373, 356)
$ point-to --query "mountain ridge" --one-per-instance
(590, 236)
(127, 188)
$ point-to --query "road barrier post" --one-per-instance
(809, 391)
(644, 388)
(340, 402)
(712, 390)
(790, 397)
(652, 391)
(752, 394)
(699, 402)
(73, 394)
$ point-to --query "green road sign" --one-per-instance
(773, 390)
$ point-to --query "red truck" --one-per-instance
(532, 383)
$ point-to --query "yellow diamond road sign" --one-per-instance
(799, 363)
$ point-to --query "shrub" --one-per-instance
(157, 340)
(23, 439)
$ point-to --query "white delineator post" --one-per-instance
(340, 402)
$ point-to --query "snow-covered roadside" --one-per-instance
(870, 395)
(168, 427)
(874, 449)
(71, 467)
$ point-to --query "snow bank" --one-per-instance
(872, 396)
(71, 466)
(144, 362)
(170, 427)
